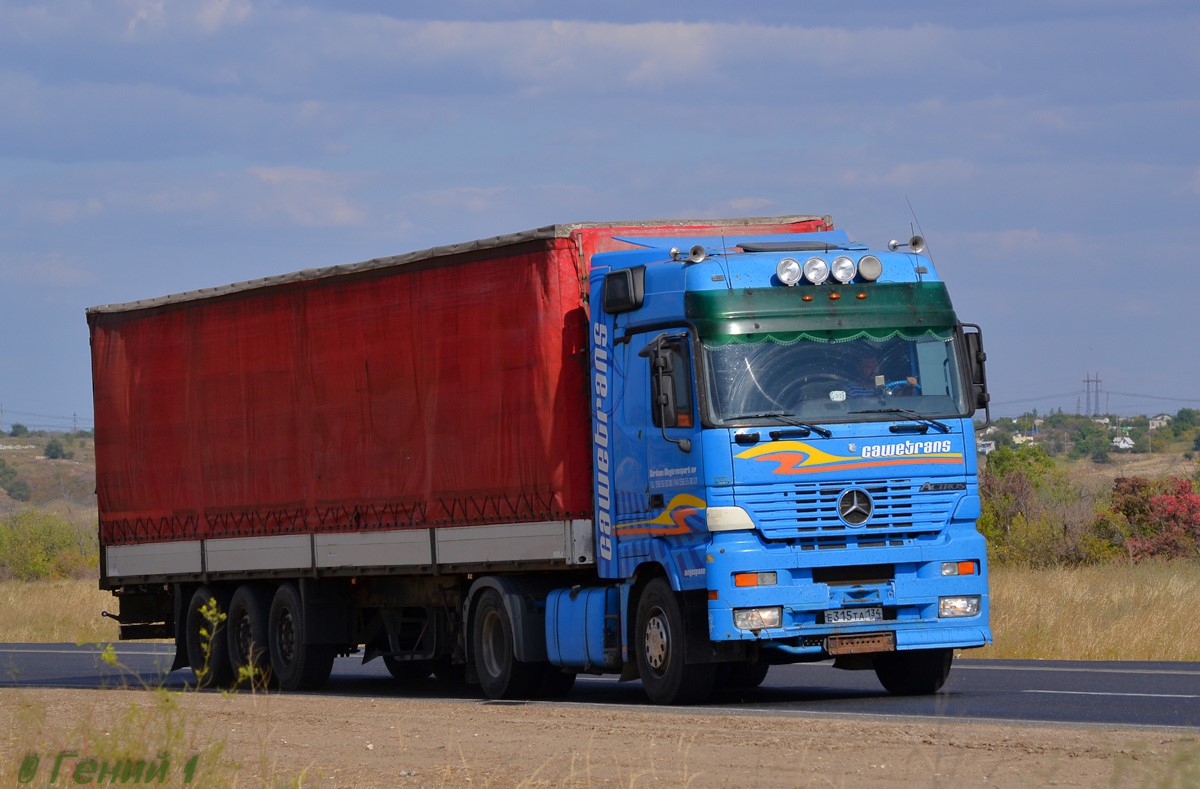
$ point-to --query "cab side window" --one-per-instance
(671, 384)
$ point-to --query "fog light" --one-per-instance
(958, 606)
(757, 618)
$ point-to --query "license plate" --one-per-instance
(845, 616)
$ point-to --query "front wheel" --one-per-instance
(659, 642)
(917, 672)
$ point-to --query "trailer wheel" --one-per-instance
(659, 644)
(249, 615)
(295, 664)
(501, 675)
(917, 672)
(207, 652)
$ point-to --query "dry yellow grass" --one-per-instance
(1110, 612)
(56, 611)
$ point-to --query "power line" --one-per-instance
(1157, 397)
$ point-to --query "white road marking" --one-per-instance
(1102, 693)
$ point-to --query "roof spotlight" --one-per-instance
(843, 269)
(789, 271)
(816, 270)
(870, 268)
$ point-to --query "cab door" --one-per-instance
(658, 478)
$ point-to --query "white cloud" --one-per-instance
(944, 173)
(217, 14)
(305, 197)
(48, 269)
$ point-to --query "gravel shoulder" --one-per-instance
(248, 739)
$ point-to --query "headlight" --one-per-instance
(843, 269)
(728, 519)
(949, 607)
(870, 268)
(757, 618)
(816, 270)
(789, 271)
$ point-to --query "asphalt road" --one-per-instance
(1071, 692)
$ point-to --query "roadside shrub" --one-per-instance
(1157, 519)
(56, 451)
(16, 488)
(36, 545)
(1036, 515)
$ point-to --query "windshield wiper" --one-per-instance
(913, 415)
(788, 419)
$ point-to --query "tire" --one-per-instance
(295, 664)
(917, 672)
(208, 655)
(408, 670)
(501, 675)
(249, 617)
(659, 639)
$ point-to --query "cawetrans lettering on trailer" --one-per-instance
(600, 439)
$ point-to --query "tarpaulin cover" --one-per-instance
(450, 390)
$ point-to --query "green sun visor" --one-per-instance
(751, 315)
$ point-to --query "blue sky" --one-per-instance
(1050, 151)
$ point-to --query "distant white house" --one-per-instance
(1162, 420)
(985, 447)
(1020, 439)
(1122, 442)
(1101, 420)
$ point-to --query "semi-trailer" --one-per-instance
(677, 451)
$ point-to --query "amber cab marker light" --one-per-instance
(861, 296)
(807, 297)
(834, 296)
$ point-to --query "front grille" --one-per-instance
(807, 512)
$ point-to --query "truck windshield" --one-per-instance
(834, 376)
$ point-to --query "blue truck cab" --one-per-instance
(784, 466)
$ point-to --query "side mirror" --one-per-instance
(976, 357)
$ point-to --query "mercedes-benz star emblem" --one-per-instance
(855, 506)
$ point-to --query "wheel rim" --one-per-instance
(657, 641)
(243, 636)
(492, 643)
(287, 638)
